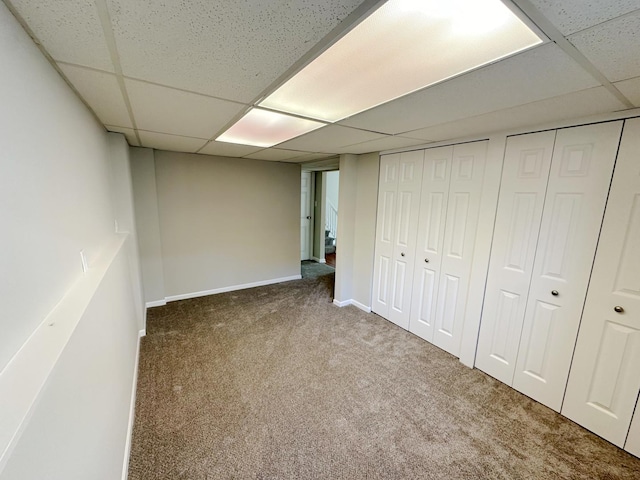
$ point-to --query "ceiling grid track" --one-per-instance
(110, 39)
(49, 58)
(353, 19)
(559, 39)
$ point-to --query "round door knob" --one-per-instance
(554, 293)
(402, 254)
(618, 309)
(426, 260)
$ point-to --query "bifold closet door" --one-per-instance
(397, 223)
(540, 264)
(524, 182)
(579, 182)
(450, 202)
(604, 381)
(431, 226)
(632, 445)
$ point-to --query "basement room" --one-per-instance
(319, 239)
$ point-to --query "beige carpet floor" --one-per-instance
(277, 383)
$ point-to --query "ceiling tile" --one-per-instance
(129, 134)
(572, 105)
(276, 154)
(540, 73)
(102, 92)
(228, 49)
(167, 110)
(69, 30)
(631, 89)
(224, 149)
(174, 143)
(386, 143)
(613, 47)
(310, 157)
(329, 139)
(570, 16)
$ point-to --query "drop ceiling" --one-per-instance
(173, 75)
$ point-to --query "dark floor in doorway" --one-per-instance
(311, 269)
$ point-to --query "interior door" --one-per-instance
(604, 381)
(579, 181)
(385, 227)
(433, 212)
(632, 445)
(398, 204)
(410, 166)
(305, 216)
(465, 190)
(524, 181)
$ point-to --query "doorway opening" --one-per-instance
(319, 221)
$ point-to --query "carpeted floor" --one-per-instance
(311, 269)
(276, 382)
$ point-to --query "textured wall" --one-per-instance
(226, 222)
(65, 396)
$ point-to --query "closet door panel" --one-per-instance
(385, 228)
(604, 383)
(522, 196)
(410, 166)
(632, 445)
(576, 195)
(431, 225)
(465, 189)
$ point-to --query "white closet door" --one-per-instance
(604, 381)
(398, 205)
(433, 211)
(385, 225)
(465, 190)
(632, 445)
(522, 191)
(404, 239)
(579, 181)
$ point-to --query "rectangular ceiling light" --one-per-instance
(402, 47)
(263, 128)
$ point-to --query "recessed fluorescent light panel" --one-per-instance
(402, 47)
(263, 128)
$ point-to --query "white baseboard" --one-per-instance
(132, 410)
(231, 288)
(353, 302)
(157, 303)
(361, 306)
(319, 260)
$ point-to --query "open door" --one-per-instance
(306, 228)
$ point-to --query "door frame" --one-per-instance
(311, 212)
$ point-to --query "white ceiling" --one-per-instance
(173, 75)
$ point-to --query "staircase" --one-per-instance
(331, 230)
(329, 242)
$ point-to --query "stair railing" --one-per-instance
(332, 220)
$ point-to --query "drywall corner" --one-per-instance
(145, 200)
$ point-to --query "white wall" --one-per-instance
(368, 169)
(343, 291)
(143, 174)
(332, 180)
(226, 223)
(319, 212)
(356, 227)
(68, 341)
